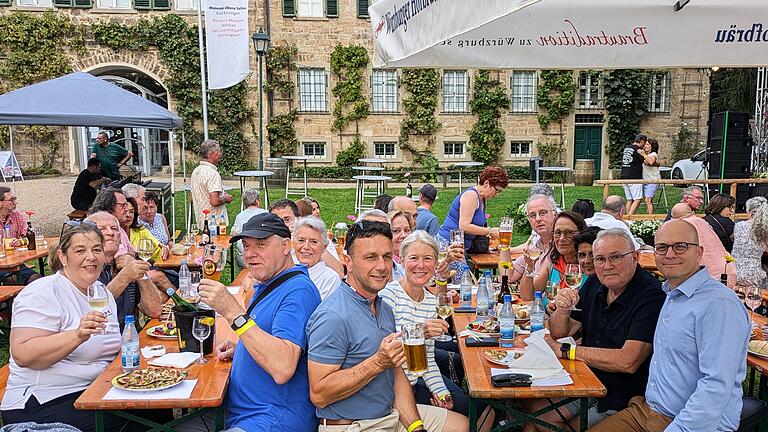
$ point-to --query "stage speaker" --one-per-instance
(729, 146)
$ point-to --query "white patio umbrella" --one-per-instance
(569, 34)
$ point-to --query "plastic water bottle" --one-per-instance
(466, 288)
(483, 301)
(130, 346)
(537, 313)
(213, 227)
(184, 277)
(507, 323)
(491, 297)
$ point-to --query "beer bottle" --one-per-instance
(31, 244)
(206, 233)
(180, 304)
(504, 289)
(409, 189)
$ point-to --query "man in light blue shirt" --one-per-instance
(699, 350)
(425, 219)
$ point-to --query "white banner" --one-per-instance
(568, 34)
(227, 42)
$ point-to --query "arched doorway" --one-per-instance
(149, 146)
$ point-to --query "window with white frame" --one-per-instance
(312, 90)
(453, 149)
(384, 90)
(314, 149)
(658, 94)
(185, 4)
(523, 86)
(34, 3)
(519, 149)
(113, 4)
(310, 8)
(455, 91)
(590, 91)
(385, 149)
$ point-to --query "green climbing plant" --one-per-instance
(348, 63)
(281, 134)
(556, 94)
(625, 92)
(348, 157)
(486, 138)
(280, 131)
(419, 106)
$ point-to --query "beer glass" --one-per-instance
(505, 231)
(415, 350)
(457, 237)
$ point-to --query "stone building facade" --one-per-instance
(316, 27)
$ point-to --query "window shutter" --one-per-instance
(5, 2)
(289, 8)
(62, 3)
(332, 8)
(85, 4)
(161, 5)
(362, 8)
(142, 4)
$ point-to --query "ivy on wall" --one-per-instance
(486, 138)
(625, 93)
(556, 94)
(280, 131)
(348, 63)
(348, 157)
(419, 108)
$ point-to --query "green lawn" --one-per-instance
(337, 204)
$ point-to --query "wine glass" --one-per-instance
(442, 249)
(201, 330)
(98, 300)
(444, 310)
(145, 249)
(457, 237)
(193, 229)
(740, 291)
(189, 242)
(194, 283)
(573, 276)
(552, 288)
(753, 298)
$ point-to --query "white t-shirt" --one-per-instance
(54, 304)
(651, 172)
(325, 278)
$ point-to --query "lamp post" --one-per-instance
(260, 45)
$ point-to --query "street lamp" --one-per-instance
(260, 45)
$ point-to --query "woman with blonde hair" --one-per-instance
(751, 241)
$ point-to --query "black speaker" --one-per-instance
(743, 193)
(729, 146)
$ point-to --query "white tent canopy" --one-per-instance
(569, 34)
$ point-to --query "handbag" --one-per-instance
(479, 245)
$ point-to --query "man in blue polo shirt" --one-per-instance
(268, 385)
(355, 356)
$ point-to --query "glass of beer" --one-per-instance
(415, 350)
(505, 231)
(457, 237)
(341, 239)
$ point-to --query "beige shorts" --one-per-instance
(433, 418)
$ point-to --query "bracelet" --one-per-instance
(245, 327)
(414, 425)
(441, 282)
(572, 353)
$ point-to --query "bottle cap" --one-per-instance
(507, 298)
(169, 291)
(537, 294)
(129, 319)
(184, 262)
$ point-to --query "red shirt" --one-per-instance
(18, 224)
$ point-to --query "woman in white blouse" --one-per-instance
(58, 344)
(309, 242)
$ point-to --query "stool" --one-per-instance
(298, 190)
(752, 410)
(362, 192)
(77, 215)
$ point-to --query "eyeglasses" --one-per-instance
(542, 214)
(498, 189)
(566, 233)
(585, 255)
(12, 199)
(679, 248)
(600, 261)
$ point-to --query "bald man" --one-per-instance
(680, 210)
(699, 349)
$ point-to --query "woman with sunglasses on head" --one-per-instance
(57, 342)
(751, 241)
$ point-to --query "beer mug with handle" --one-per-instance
(415, 350)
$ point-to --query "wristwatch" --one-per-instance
(564, 348)
(240, 321)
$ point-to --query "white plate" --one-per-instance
(149, 332)
(505, 361)
(757, 354)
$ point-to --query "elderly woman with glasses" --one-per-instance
(751, 242)
(309, 243)
(412, 302)
(58, 344)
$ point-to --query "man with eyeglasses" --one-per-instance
(699, 349)
(693, 197)
(17, 226)
(616, 311)
(541, 211)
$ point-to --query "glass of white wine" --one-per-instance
(145, 249)
(193, 229)
(98, 300)
(201, 331)
(444, 310)
(442, 249)
(753, 298)
(573, 276)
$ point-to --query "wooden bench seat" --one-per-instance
(5, 372)
(77, 215)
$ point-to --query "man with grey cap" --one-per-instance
(268, 384)
(425, 219)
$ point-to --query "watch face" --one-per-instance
(240, 321)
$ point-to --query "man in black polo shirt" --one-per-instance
(86, 185)
(616, 310)
(632, 169)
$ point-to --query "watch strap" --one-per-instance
(242, 319)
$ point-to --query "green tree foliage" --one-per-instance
(486, 138)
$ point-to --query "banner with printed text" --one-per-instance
(567, 34)
(227, 42)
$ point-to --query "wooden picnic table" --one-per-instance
(8, 292)
(209, 392)
(13, 261)
(478, 375)
(174, 261)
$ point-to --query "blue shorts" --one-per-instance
(649, 190)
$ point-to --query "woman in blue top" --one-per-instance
(467, 210)
(154, 221)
